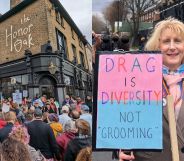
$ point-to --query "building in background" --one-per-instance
(43, 51)
(162, 10)
(173, 8)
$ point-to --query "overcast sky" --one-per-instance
(79, 10)
(98, 6)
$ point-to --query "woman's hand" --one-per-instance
(123, 156)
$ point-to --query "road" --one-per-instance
(102, 156)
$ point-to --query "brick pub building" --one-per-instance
(42, 51)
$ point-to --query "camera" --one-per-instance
(114, 42)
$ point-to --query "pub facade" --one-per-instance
(43, 52)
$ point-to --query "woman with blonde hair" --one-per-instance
(168, 37)
(85, 154)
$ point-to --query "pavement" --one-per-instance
(103, 156)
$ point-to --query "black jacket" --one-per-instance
(74, 146)
(4, 132)
(42, 138)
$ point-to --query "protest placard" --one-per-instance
(128, 100)
(17, 97)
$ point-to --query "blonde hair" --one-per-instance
(10, 116)
(169, 23)
(83, 127)
(85, 154)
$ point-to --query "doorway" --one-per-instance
(48, 87)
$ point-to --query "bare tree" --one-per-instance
(98, 25)
(115, 11)
(135, 9)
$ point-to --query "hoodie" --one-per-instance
(57, 128)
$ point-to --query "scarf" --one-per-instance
(174, 82)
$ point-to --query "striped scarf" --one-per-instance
(174, 83)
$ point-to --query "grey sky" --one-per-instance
(79, 10)
(99, 5)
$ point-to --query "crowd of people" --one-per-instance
(43, 130)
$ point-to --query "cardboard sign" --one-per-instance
(5, 108)
(25, 93)
(17, 97)
(129, 101)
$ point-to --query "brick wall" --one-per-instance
(32, 27)
(66, 31)
(26, 29)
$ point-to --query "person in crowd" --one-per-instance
(72, 107)
(36, 104)
(79, 103)
(46, 108)
(73, 99)
(44, 99)
(142, 43)
(85, 115)
(42, 137)
(36, 97)
(10, 118)
(45, 117)
(82, 140)
(32, 108)
(63, 118)
(168, 37)
(25, 109)
(19, 114)
(53, 108)
(10, 100)
(20, 134)
(55, 124)
(89, 103)
(63, 139)
(85, 154)
(75, 115)
(14, 150)
(24, 101)
(58, 107)
(67, 100)
(29, 116)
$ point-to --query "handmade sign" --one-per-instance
(129, 101)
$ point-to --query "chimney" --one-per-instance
(14, 3)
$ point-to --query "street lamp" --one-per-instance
(52, 68)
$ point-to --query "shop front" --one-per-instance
(44, 74)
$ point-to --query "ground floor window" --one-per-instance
(13, 84)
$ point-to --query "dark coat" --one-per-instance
(42, 138)
(74, 146)
(4, 132)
